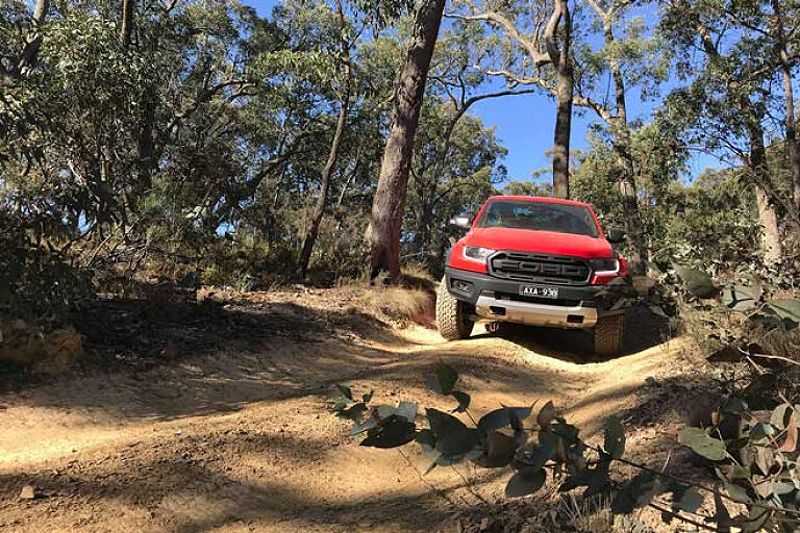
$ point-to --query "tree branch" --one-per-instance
(598, 9)
(550, 34)
(532, 47)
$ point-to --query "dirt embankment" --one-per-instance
(223, 424)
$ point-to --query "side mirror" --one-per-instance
(461, 222)
(615, 235)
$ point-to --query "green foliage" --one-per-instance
(449, 177)
(753, 435)
(758, 466)
(200, 145)
(36, 283)
(527, 188)
(443, 380)
(703, 444)
(713, 221)
(698, 283)
(745, 295)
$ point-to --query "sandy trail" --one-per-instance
(241, 440)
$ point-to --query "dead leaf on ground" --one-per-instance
(790, 444)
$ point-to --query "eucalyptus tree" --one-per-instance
(344, 42)
(726, 105)
(659, 163)
(21, 56)
(631, 55)
(135, 138)
(438, 192)
(786, 30)
(383, 232)
(553, 46)
(454, 88)
(530, 37)
(777, 25)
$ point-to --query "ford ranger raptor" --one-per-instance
(534, 261)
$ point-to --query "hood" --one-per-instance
(548, 242)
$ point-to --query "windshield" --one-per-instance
(541, 216)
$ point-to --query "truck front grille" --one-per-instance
(539, 268)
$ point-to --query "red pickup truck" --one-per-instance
(534, 261)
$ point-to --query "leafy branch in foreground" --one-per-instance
(765, 479)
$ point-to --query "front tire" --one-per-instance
(452, 317)
(608, 335)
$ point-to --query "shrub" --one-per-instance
(545, 446)
(34, 281)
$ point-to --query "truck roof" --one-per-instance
(540, 199)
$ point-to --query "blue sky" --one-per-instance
(524, 124)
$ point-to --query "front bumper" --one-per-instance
(535, 314)
(498, 300)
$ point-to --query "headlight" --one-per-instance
(605, 267)
(477, 254)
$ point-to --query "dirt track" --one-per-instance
(240, 439)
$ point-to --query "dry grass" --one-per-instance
(31, 347)
(412, 300)
(553, 512)
(399, 304)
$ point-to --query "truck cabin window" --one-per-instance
(539, 216)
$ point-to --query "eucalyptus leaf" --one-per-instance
(702, 444)
(690, 501)
(546, 415)
(741, 298)
(787, 309)
(501, 418)
(463, 401)
(393, 433)
(453, 437)
(499, 451)
(443, 380)
(354, 412)
(525, 482)
(406, 410)
(345, 391)
(697, 282)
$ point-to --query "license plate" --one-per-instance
(539, 292)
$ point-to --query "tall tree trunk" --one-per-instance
(349, 182)
(383, 232)
(637, 250)
(564, 98)
(126, 24)
(792, 147)
(758, 166)
(770, 236)
(333, 154)
(146, 146)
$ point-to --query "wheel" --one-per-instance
(608, 333)
(452, 318)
